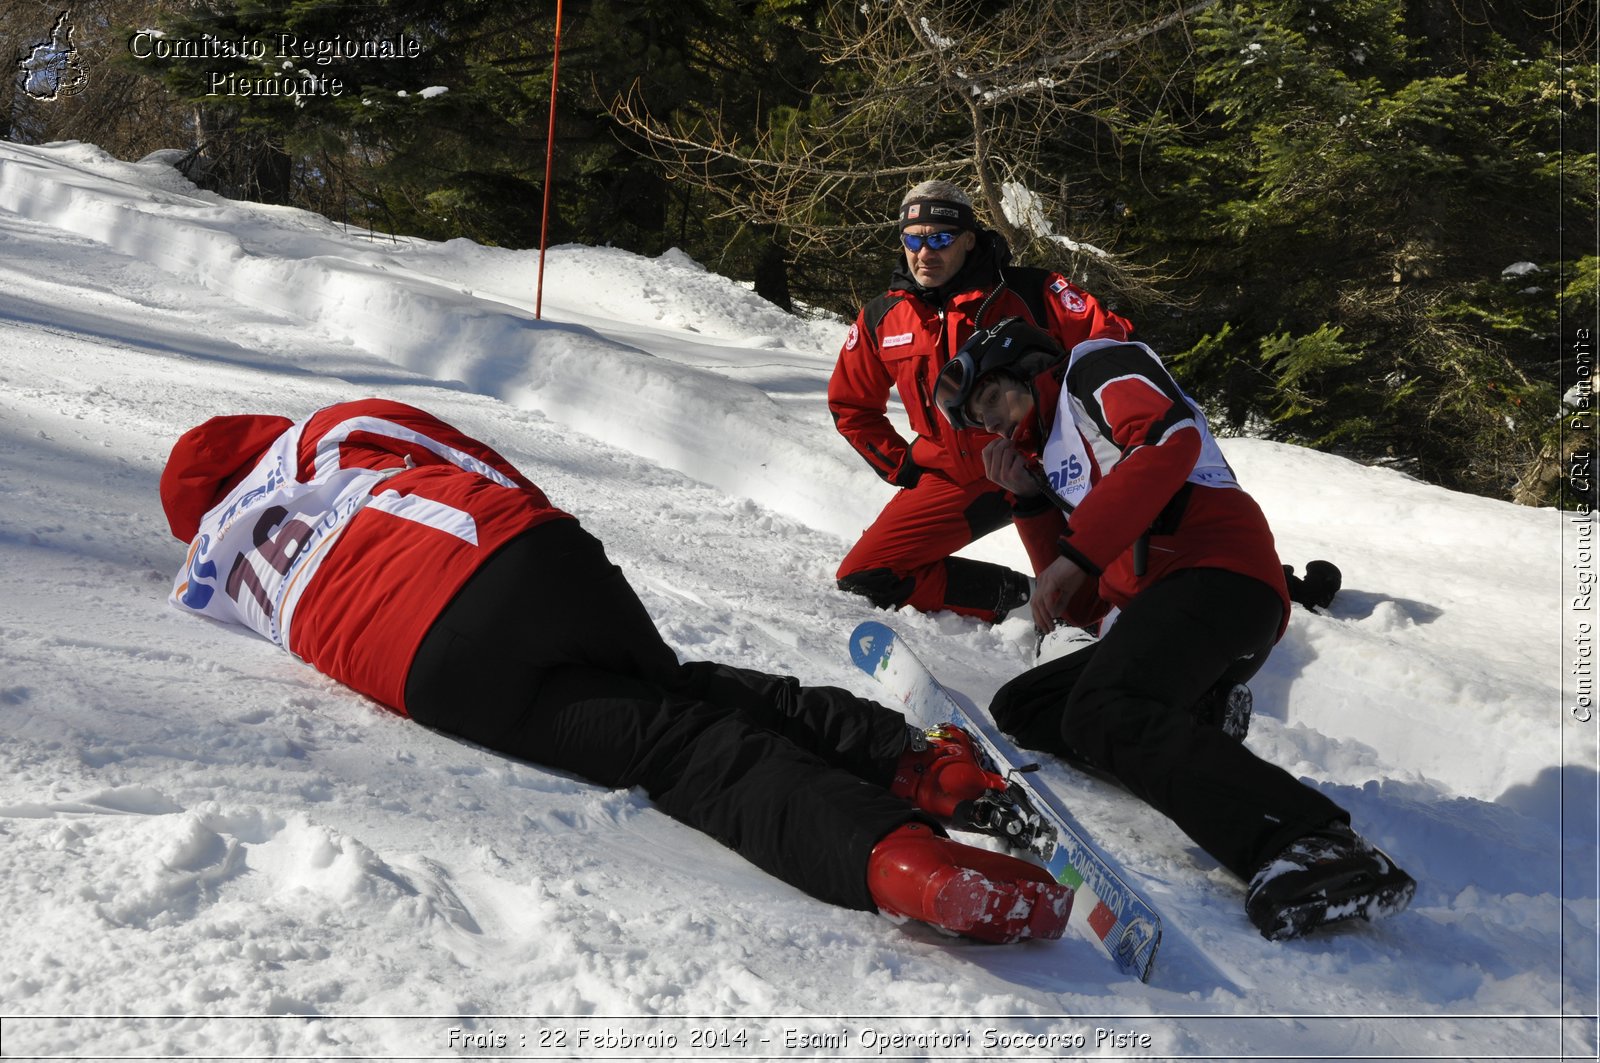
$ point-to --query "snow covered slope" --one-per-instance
(210, 849)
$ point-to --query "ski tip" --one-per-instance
(869, 642)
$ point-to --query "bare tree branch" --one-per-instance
(938, 88)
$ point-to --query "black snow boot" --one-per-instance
(1327, 876)
(1226, 705)
(1015, 590)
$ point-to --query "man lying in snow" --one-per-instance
(1125, 501)
(417, 566)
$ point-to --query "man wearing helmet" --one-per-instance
(1134, 521)
(954, 277)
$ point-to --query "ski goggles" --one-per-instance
(934, 241)
(954, 387)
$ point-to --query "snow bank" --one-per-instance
(442, 324)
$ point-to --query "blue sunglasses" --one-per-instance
(936, 241)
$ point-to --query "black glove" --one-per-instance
(1322, 581)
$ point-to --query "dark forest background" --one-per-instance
(1367, 226)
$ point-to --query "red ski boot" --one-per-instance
(979, 894)
(941, 770)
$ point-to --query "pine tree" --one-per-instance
(1358, 204)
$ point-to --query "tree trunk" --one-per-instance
(772, 271)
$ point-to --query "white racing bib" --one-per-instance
(1067, 453)
(257, 549)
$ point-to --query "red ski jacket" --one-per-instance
(904, 337)
(1132, 456)
(341, 537)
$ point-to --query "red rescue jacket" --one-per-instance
(1132, 456)
(903, 338)
(343, 536)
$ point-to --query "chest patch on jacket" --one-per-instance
(899, 339)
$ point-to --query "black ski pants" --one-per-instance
(548, 655)
(1123, 706)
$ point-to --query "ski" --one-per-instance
(1027, 817)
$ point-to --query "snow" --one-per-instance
(209, 849)
(1025, 209)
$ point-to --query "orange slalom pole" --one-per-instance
(549, 166)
